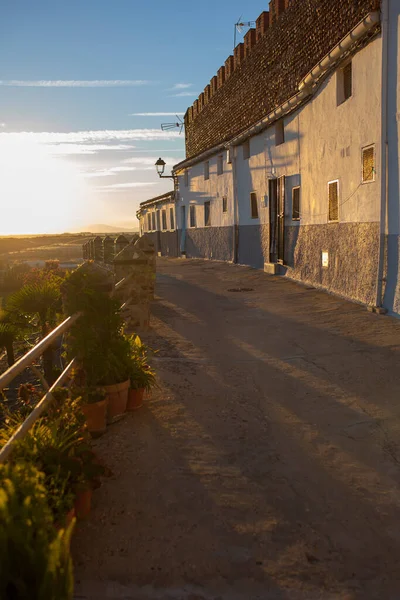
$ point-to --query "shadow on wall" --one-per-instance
(391, 299)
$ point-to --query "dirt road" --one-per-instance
(267, 465)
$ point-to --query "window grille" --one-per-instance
(153, 221)
(296, 203)
(368, 164)
(171, 218)
(254, 205)
(164, 219)
(333, 188)
(148, 222)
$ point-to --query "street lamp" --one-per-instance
(160, 166)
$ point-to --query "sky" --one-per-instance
(84, 88)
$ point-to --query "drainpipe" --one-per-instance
(384, 154)
(235, 226)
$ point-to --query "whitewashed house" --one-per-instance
(293, 152)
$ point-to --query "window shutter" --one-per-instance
(333, 201)
(254, 205)
(368, 164)
(347, 80)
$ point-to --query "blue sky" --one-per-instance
(82, 71)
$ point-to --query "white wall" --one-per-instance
(214, 189)
(153, 209)
(323, 142)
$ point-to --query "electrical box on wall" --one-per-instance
(325, 259)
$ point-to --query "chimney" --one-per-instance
(221, 76)
(249, 41)
(207, 94)
(239, 54)
(262, 24)
(229, 66)
(214, 85)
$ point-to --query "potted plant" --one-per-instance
(35, 561)
(94, 407)
(142, 376)
(97, 339)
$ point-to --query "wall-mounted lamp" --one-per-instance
(160, 166)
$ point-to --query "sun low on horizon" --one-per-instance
(41, 193)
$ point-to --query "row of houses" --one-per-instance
(292, 153)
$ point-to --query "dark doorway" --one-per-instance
(276, 192)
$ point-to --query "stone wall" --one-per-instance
(269, 74)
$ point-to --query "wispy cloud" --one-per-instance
(123, 186)
(82, 137)
(156, 114)
(183, 94)
(114, 171)
(75, 83)
(70, 149)
(181, 86)
(2, 124)
(83, 142)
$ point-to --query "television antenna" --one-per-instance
(177, 125)
(239, 26)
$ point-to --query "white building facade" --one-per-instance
(311, 190)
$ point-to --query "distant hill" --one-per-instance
(101, 228)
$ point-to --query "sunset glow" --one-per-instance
(40, 193)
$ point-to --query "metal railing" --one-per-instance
(27, 360)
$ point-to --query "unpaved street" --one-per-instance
(267, 464)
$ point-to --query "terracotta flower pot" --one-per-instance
(135, 398)
(95, 414)
(117, 397)
(83, 502)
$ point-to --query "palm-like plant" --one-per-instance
(40, 301)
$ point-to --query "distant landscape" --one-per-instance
(65, 247)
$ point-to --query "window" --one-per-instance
(246, 150)
(192, 216)
(254, 205)
(164, 219)
(333, 193)
(344, 83)
(148, 222)
(368, 164)
(186, 178)
(207, 214)
(224, 204)
(279, 132)
(296, 203)
(153, 221)
(220, 164)
(207, 170)
(171, 218)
